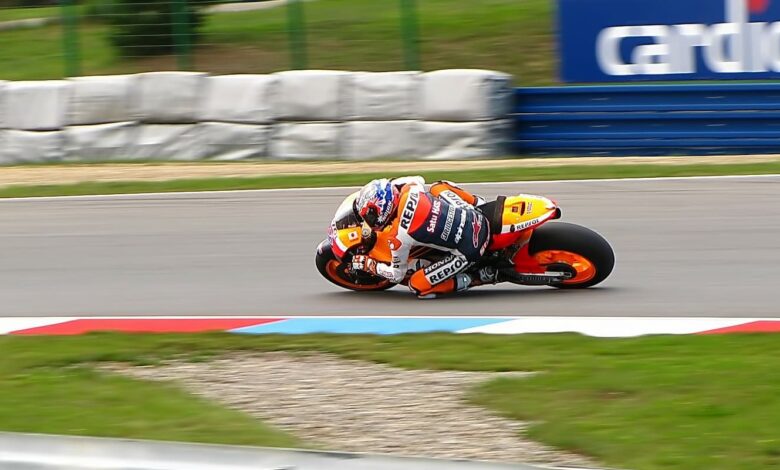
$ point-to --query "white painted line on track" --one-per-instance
(346, 188)
(611, 327)
(8, 324)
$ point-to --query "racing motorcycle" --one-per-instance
(525, 247)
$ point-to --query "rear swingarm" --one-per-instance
(555, 274)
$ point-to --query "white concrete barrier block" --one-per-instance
(2, 104)
(99, 142)
(170, 97)
(165, 142)
(36, 105)
(314, 95)
(380, 139)
(247, 99)
(308, 141)
(385, 96)
(463, 140)
(466, 95)
(31, 147)
(102, 99)
(223, 141)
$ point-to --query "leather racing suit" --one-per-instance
(443, 218)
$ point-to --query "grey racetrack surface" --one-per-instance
(687, 247)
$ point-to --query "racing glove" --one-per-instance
(364, 263)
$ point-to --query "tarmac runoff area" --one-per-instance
(685, 247)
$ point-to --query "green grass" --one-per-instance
(324, 180)
(34, 54)
(11, 14)
(508, 35)
(78, 400)
(650, 403)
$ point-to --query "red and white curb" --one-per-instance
(591, 326)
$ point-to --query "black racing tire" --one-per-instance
(576, 239)
(338, 272)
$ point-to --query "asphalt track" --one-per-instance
(685, 247)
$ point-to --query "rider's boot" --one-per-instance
(486, 275)
(458, 283)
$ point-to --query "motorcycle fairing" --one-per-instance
(521, 214)
(344, 239)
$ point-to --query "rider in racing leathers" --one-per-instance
(445, 218)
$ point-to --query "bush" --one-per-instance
(143, 28)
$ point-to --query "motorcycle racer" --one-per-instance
(444, 217)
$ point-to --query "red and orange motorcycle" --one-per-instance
(525, 246)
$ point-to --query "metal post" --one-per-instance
(182, 37)
(410, 34)
(70, 38)
(296, 28)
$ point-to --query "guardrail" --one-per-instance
(648, 119)
(48, 452)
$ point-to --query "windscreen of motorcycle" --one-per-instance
(344, 230)
(345, 216)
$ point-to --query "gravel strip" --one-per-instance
(360, 406)
(76, 173)
(248, 6)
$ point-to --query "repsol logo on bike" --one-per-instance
(408, 213)
(435, 209)
(611, 40)
(444, 269)
(526, 224)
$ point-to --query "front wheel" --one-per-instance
(339, 273)
(586, 252)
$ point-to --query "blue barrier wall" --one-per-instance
(648, 119)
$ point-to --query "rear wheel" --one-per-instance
(587, 253)
(339, 272)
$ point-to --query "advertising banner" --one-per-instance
(627, 40)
